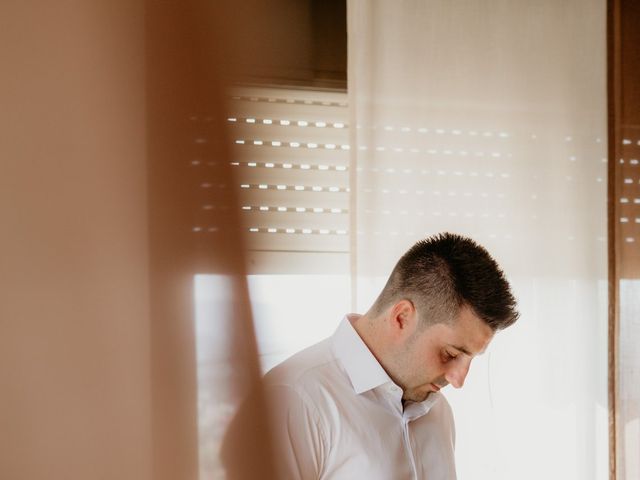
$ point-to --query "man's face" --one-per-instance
(441, 354)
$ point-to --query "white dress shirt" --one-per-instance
(336, 414)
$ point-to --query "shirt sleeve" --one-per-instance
(299, 445)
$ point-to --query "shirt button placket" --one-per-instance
(407, 442)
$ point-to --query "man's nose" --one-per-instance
(457, 372)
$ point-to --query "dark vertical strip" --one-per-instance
(624, 214)
(613, 116)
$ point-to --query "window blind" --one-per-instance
(291, 156)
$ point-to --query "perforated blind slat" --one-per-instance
(276, 112)
(322, 136)
(297, 156)
(293, 199)
(318, 179)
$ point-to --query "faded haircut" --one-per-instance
(445, 272)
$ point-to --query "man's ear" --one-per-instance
(403, 317)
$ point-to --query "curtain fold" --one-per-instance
(489, 119)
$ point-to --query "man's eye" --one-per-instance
(448, 356)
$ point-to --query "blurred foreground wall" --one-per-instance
(74, 317)
(111, 143)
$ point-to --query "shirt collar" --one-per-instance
(363, 369)
(361, 366)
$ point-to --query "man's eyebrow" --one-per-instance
(464, 350)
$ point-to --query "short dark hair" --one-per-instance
(445, 272)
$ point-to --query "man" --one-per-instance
(366, 402)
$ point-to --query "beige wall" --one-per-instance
(74, 321)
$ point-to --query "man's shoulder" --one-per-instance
(313, 365)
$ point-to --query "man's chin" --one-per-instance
(416, 395)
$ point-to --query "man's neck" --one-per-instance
(369, 329)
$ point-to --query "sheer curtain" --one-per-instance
(489, 119)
